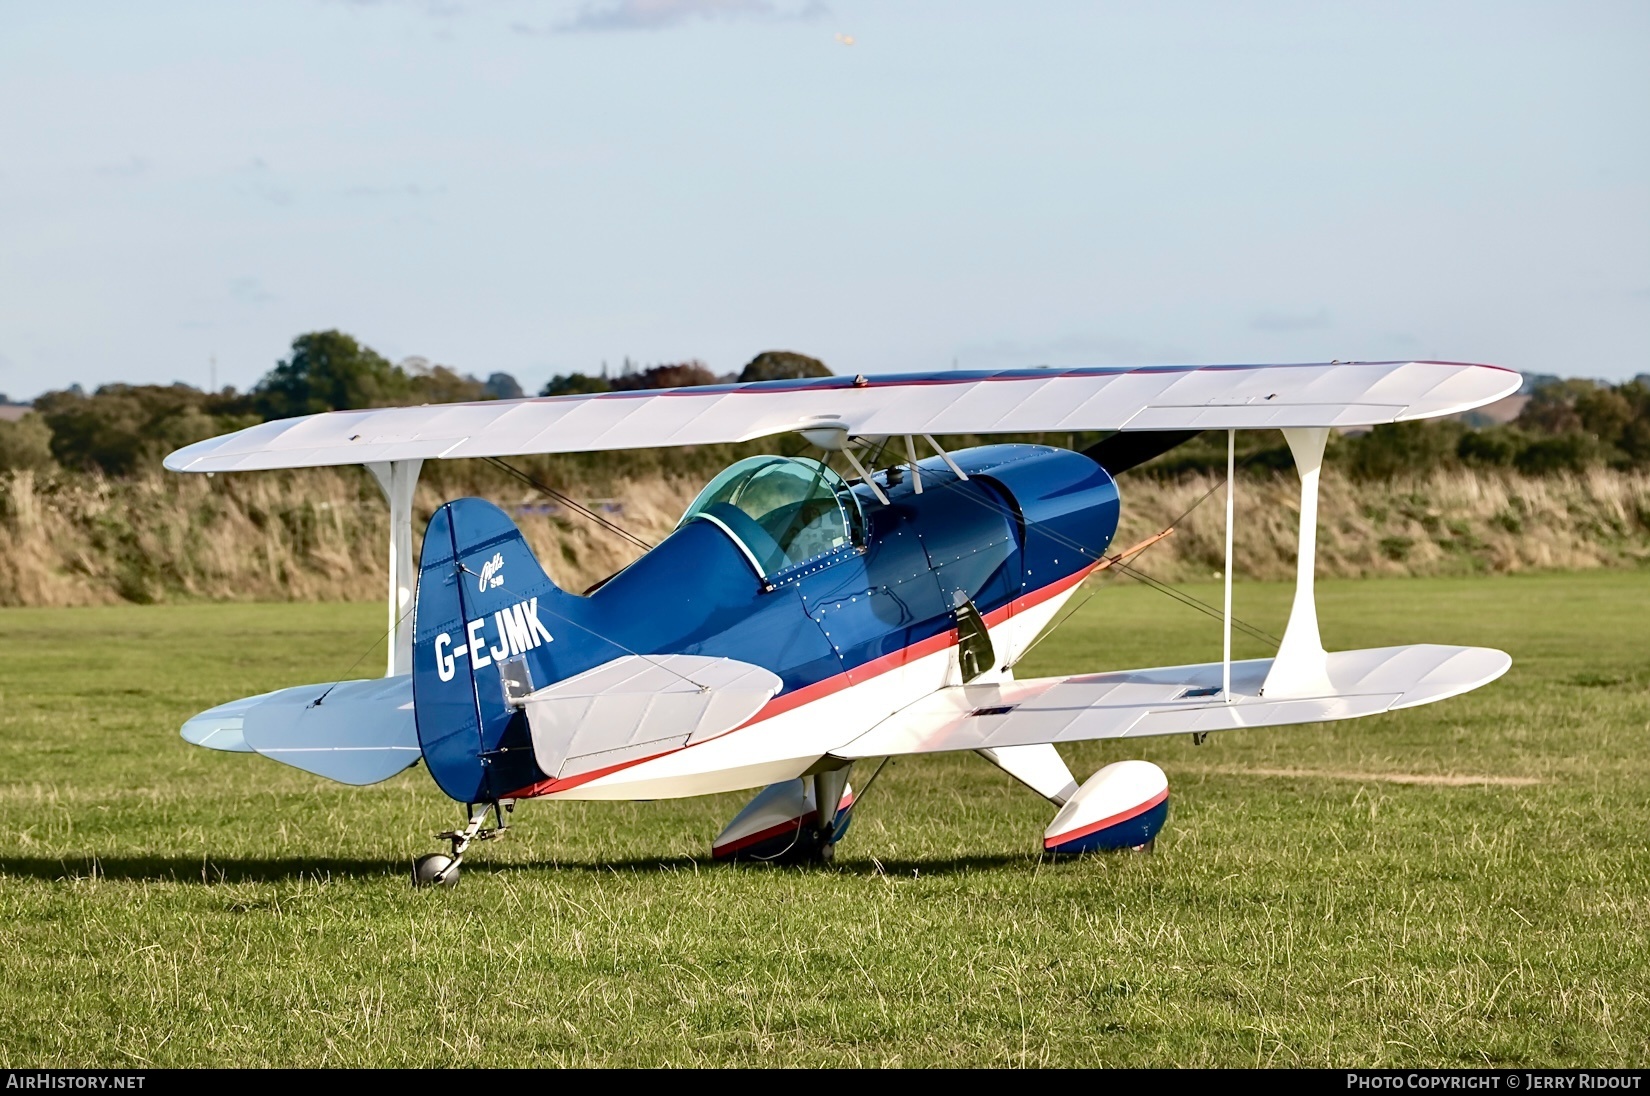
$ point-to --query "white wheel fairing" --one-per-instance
(1121, 806)
(773, 820)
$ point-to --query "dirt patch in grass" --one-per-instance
(1448, 780)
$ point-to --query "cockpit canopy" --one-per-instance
(781, 511)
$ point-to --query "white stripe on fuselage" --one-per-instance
(787, 745)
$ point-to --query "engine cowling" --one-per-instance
(1120, 807)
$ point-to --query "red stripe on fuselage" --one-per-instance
(836, 683)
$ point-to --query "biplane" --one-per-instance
(811, 613)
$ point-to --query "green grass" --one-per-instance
(166, 905)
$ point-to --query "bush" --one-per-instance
(1565, 453)
(26, 445)
(1403, 447)
(1491, 447)
(123, 428)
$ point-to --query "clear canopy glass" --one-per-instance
(780, 510)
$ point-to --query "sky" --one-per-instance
(538, 188)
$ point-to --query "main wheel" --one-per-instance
(435, 868)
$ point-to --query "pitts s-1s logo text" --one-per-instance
(492, 573)
(517, 627)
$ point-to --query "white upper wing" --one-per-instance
(1220, 397)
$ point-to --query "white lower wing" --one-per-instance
(1172, 700)
(360, 732)
(639, 706)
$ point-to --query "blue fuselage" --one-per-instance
(1027, 518)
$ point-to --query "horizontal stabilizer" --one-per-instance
(640, 706)
(1173, 700)
(360, 732)
(220, 728)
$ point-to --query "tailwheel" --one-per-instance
(435, 869)
(438, 869)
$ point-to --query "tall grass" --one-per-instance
(320, 535)
(1449, 522)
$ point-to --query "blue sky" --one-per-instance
(539, 187)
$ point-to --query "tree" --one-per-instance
(1572, 452)
(439, 384)
(1552, 407)
(1635, 436)
(329, 371)
(502, 386)
(678, 375)
(574, 384)
(774, 365)
(1605, 413)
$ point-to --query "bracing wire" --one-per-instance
(611, 527)
(389, 637)
(863, 792)
(1201, 606)
(618, 530)
(591, 631)
(1135, 573)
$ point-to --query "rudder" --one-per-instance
(486, 621)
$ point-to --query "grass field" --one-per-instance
(1462, 884)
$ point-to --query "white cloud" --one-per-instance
(614, 15)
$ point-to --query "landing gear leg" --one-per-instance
(438, 869)
(819, 847)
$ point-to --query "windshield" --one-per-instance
(780, 510)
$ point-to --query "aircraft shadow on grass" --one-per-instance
(212, 872)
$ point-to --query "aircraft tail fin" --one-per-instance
(490, 627)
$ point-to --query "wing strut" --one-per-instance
(398, 479)
(865, 477)
(946, 457)
(1301, 666)
(1226, 615)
